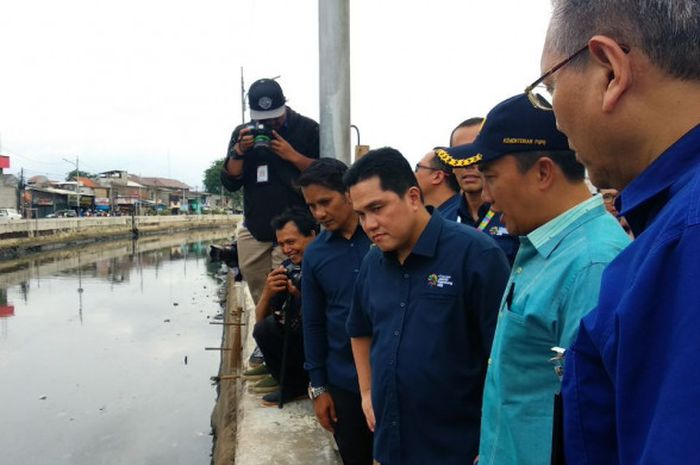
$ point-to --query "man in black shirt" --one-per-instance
(265, 163)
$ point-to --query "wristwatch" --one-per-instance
(314, 392)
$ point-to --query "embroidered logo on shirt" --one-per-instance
(441, 280)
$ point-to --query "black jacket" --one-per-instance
(264, 200)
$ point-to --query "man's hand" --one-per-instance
(276, 281)
(282, 148)
(245, 142)
(368, 409)
(325, 411)
(293, 291)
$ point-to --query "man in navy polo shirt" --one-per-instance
(331, 264)
(625, 82)
(438, 184)
(422, 319)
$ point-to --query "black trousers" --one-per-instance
(270, 338)
(352, 435)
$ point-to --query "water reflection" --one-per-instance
(92, 353)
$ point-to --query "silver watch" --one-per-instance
(314, 392)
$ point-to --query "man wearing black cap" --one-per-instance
(264, 158)
(533, 181)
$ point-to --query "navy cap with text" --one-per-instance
(511, 127)
(266, 100)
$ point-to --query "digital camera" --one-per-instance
(262, 135)
(294, 274)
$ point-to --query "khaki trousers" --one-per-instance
(256, 259)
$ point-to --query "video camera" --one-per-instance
(262, 135)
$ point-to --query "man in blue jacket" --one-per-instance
(625, 80)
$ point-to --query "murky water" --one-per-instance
(102, 355)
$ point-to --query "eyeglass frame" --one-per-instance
(528, 90)
(426, 167)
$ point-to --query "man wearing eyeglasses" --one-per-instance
(623, 78)
(438, 184)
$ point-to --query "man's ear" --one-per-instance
(616, 64)
(414, 197)
(544, 170)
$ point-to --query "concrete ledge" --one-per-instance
(264, 435)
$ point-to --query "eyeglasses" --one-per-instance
(538, 93)
(425, 167)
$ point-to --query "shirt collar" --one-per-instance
(677, 160)
(548, 236)
(358, 232)
(449, 202)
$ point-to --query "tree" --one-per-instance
(212, 184)
(83, 174)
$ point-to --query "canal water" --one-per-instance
(102, 356)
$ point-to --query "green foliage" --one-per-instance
(212, 184)
(83, 174)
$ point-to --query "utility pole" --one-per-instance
(334, 78)
(77, 179)
(242, 98)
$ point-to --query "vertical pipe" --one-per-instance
(334, 78)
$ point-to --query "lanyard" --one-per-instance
(487, 219)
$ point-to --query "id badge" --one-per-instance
(262, 173)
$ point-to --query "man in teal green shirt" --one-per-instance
(567, 238)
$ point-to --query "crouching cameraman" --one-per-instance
(279, 309)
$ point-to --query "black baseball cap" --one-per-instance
(511, 127)
(266, 100)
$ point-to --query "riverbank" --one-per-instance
(19, 237)
(246, 433)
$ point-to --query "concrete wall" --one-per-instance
(8, 191)
(17, 236)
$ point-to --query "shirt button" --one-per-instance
(489, 362)
(396, 333)
(519, 270)
(391, 361)
(356, 270)
(405, 275)
(352, 245)
(402, 304)
(393, 423)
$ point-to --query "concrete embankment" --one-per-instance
(246, 433)
(21, 236)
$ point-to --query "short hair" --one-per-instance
(666, 31)
(325, 172)
(392, 169)
(564, 159)
(450, 178)
(467, 123)
(301, 218)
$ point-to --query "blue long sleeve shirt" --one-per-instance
(632, 379)
(330, 268)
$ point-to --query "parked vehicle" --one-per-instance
(62, 214)
(9, 214)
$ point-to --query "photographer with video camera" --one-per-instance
(277, 329)
(265, 157)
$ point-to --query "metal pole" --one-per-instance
(334, 78)
(242, 98)
(77, 181)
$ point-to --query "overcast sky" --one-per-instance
(153, 87)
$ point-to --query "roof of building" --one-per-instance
(160, 182)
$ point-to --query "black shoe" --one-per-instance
(273, 399)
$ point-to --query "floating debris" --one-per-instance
(175, 304)
(42, 397)
(185, 359)
(167, 320)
